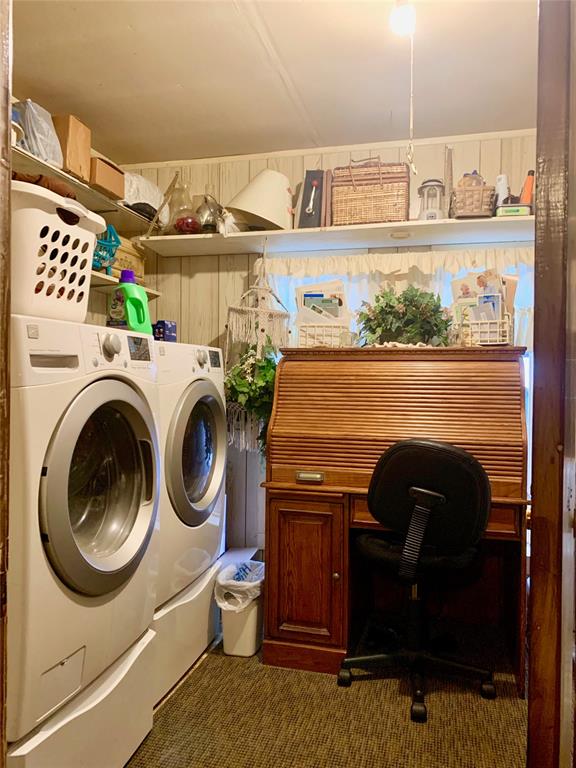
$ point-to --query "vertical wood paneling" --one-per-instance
(490, 159)
(388, 154)
(234, 175)
(236, 498)
(165, 176)
(518, 157)
(169, 305)
(333, 159)
(256, 165)
(290, 166)
(200, 318)
(312, 162)
(151, 174)
(465, 159)
(255, 500)
(96, 314)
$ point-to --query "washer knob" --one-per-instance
(111, 345)
(202, 357)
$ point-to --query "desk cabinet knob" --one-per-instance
(335, 576)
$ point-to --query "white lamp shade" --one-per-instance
(266, 201)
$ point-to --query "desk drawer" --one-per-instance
(360, 516)
(504, 521)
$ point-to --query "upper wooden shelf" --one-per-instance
(406, 233)
(122, 218)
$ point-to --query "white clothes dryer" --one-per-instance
(192, 506)
(84, 477)
(193, 440)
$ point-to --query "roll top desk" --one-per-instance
(335, 412)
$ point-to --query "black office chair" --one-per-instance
(435, 499)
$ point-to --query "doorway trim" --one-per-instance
(554, 446)
(5, 175)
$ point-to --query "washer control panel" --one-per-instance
(117, 349)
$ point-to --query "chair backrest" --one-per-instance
(454, 525)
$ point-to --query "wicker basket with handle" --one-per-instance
(472, 198)
(370, 192)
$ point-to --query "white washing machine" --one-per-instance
(84, 486)
(192, 504)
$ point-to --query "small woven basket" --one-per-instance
(370, 193)
(472, 198)
(323, 335)
(487, 332)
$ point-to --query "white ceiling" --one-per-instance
(164, 80)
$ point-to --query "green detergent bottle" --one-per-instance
(128, 305)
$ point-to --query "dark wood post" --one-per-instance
(554, 403)
(5, 164)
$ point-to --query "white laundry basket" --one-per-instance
(53, 240)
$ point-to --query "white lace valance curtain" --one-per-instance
(388, 262)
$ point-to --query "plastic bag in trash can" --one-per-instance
(238, 584)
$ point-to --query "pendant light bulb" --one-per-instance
(403, 18)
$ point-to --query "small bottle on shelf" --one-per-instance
(527, 194)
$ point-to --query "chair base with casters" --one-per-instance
(418, 660)
(435, 499)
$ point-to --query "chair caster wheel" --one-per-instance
(488, 690)
(418, 712)
(345, 678)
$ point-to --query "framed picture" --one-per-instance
(490, 305)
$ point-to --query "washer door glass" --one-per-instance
(105, 484)
(195, 457)
(199, 451)
(99, 488)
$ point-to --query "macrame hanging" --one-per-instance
(254, 321)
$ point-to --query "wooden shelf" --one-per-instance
(100, 281)
(122, 218)
(359, 236)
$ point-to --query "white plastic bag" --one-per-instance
(238, 584)
(39, 134)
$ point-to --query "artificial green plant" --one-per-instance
(411, 317)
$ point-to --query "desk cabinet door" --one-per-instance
(305, 590)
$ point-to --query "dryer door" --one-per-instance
(99, 488)
(195, 460)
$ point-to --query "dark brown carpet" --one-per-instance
(237, 713)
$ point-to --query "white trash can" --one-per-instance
(242, 631)
(237, 592)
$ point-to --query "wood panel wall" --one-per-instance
(196, 291)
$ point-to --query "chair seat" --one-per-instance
(386, 552)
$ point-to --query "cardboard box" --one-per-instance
(127, 257)
(107, 178)
(75, 140)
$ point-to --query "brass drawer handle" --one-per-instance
(335, 576)
(309, 477)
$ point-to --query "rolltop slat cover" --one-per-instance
(337, 410)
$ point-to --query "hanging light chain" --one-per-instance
(410, 151)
